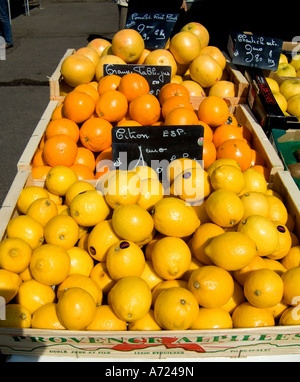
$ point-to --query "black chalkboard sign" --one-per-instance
(155, 146)
(156, 75)
(257, 51)
(155, 28)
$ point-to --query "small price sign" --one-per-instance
(155, 28)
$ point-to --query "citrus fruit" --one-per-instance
(130, 298)
(209, 153)
(275, 266)
(220, 162)
(262, 231)
(205, 70)
(175, 309)
(76, 309)
(166, 284)
(146, 323)
(77, 188)
(149, 274)
(173, 217)
(224, 132)
(180, 165)
(249, 316)
(255, 203)
(122, 188)
(42, 210)
(108, 83)
(213, 111)
(236, 299)
(185, 47)
(62, 126)
(224, 208)
(238, 150)
(278, 210)
(45, 317)
(112, 106)
(101, 276)
(263, 288)
(15, 254)
(201, 238)
(213, 318)
(172, 90)
(231, 250)
(132, 222)
(59, 179)
(62, 230)
(211, 285)
(89, 208)
(128, 44)
(171, 257)
(133, 85)
(125, 258)
(84, 282)
(152, 191)
(145, 109)
(77, 69)
(291, 291)
(9, 284)
(290, 316)
(28, 195)
(105, 319)
(26, 228)
(81, 261)
(60, 150)
(95, 134)
(254, 181)
(145, 172)
(50, 264)
(241, 274)
(227, 177)
(284, 242)
(16, 316)
(292, 258)
(180, 116)
(101, 237)
(78, 106)
(32, 294)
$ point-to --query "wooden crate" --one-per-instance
(157, 344)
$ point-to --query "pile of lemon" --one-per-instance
(209, 249)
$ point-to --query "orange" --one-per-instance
(105, 319)
(145, 109)
(257, 159)
(181, 116)
(291, 285)
(236, 149)
(84, 282)
(60, 150)
(232, 121)
(76, 309)
(172, 89)
(263, 288)
(125, 258)
(26, 228)
(112, 106)
(15, 254)
(59, 179)
(175, 309)
(130, 298)
(62, 230)
(214, 318)
(32, 294)
(214, 111)
(77, 69)
(16, 316)
(81, 261)
(133, 85)
(128, 44)
(78, 106)
(101, 276)
(95, 134)
(38, 159)
(211, 285)
(42, 210)
(40, 172)
(83, 172)
(89, 90)
(85, 157)
(9, 284)
(224, 132)
(57, 112)
(171, 258)
(128, 122)
(201, 238)
(108, 83)
(209, 153)
(45, 317)
(174, 102)
(249, 316)
(62, 126)
(50, 264)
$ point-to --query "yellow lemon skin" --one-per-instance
(106, 320)
(214, 318)
(228, 177)
(59, 179)
(9, 284)
(15, 254)
(45, 317)
(173, 217)
(249, 316)
(28, 195)
(16, 316)
(26, 228)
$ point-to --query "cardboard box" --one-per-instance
(159, 344)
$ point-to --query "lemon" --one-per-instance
(291, 282)
(224, 208)
(59, 179)
(26, 228)
(62, 230)
(9, 284)
(192, 185)
(166, 284)
(102, 277)
(180, 165)
(176, 309)
(81, 261)
(255, 203)
(28, 195)
(249, 316)
(145, 323)
(171, 258)
(89, 208)
(278, 210)
(284, 242)
(173, 217)
(16, 316)
(292, 259)
(15, 254)
(236, 299)
(77, 188)
(220, 162)
(254, 181)
(227, 177)
(152, 191)
(214, 318)
(132, 222)
(45, 317)
(262, 231)
(106, 320)
(231, 250)
(145, 172)
(150, 275)
(289, 317)
(101, 237)
(130, 298)
(122, 188)
(42, 210)
(125, 258)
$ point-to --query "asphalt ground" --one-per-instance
(40, 41)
